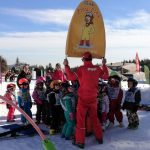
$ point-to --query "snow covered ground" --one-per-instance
(114, 139)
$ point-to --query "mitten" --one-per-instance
(71, 116)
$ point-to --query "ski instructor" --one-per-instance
(88, 76)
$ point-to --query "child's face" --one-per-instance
(25, 85)
(130, 84)
(113, 81)
(12, 90)
(103, 93)
(57, 87)
(40, 85)
(70, 89)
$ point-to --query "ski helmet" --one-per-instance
(40, 80)
(55, 82)
(23, 80)
(10, 86)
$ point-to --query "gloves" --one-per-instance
(65, 62)
(8, 106)
(71, 116)
(104, 61)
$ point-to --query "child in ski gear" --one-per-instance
(47, 104)
(102, 108)
(131, 103)
(24, 99)
(105, 107)
(10, 95)
(56, 110)
(68, 105)
(115, 94)
(101, 85)
(87, 96)
(40, 99)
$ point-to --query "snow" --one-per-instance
(114, 139)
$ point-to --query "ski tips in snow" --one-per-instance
(48, 145)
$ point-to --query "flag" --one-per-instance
(147, 76)
(137, 61)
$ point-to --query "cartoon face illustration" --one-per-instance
(89, 18)
(87, 30)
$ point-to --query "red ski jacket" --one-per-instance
(88, 76)
(59, 75)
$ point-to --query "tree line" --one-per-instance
(4, 65)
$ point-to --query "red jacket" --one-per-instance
(59, 75)
(88, 76)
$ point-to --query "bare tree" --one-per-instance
(3, 64)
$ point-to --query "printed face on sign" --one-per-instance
(87, 30)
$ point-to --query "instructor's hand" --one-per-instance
(65, 62)
(104, 61)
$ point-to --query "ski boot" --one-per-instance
(121, 125)
(110, 125)
(100, 141)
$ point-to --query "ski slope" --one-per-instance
(114, 139)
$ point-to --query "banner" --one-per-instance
(147, 76)
(86, 31)
(137, 61)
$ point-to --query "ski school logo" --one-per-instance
(91, 69)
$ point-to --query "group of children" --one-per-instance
(56, 104)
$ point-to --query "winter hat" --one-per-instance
(10, 86)
(40, 80)
(87, 56)
(55, 82)
(116, 77)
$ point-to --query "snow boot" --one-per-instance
(110, 125)
(80, 145)
(121, 125)
(100, 141)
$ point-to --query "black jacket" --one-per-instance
(24, 75)
(133, 106)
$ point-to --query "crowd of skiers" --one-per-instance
(77, 104)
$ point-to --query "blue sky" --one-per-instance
(36, 30)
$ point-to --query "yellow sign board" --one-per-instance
(86, 31)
